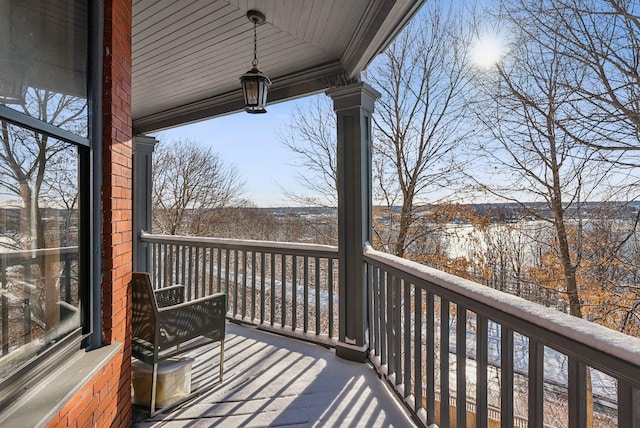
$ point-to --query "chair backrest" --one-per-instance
(145, 307)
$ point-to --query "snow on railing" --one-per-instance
(436, 336)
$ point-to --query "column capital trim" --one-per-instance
(359, 94)
(144, 144)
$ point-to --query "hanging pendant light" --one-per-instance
(254, 82)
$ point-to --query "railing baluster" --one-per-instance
(219, 269)
(397, 328)
(244, 284)
(5, 307)
(189, 264)
(444, 363)
(161, 254)
(273, 288)
(384, 323)
(628, 405)
(482, 351)
(212, 253)
(390, 347)
(305, 308)
(330, 274)
(197, 272)
(294, 292)
(417, 360)
(236, 273)
(263, 257)
(283, 287)
(406, 303)
(163, 271)
(227, 270)
(253, 285)
(172, 279)
(431, 363)
(154, 265)
(461, 366)
(183, 264)
(506, 370)
(157, 266)
(202, 261)
(577, 394)
(375, 297)
(536, 384)
(318, 294)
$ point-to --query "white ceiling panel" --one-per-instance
(188, 55)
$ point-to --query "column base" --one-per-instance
(352, 352)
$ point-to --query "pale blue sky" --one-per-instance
(249, 141)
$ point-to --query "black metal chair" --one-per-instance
(164, 326)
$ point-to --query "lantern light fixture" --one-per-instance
(255, 83)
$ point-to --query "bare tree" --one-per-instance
(527, 115)
(191, 184)
(604, 37)
(422, 76)
(546, 135)
(311, 136)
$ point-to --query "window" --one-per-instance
(44, 186)
(39, 203)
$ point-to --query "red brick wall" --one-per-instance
(106, 399)
(102, 402)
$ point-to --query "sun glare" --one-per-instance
(487, 52)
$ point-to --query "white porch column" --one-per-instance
(142, 188)
(353, 105)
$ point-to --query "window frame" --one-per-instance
(88, 335)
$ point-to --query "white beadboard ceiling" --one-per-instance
(188, 55)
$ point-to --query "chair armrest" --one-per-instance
(170, 296)
(202, 317)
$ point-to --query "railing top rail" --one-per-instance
(605, 340)
(9, 257)
(329, 251)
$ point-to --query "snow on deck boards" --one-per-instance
(272, 380)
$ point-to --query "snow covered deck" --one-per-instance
(272, 380)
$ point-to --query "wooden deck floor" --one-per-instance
(276, 381)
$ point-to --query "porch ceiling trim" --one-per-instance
(285, 88)
(187, 58)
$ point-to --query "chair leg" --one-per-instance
(221, 359)
(154, 385)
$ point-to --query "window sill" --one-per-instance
(38, 406)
